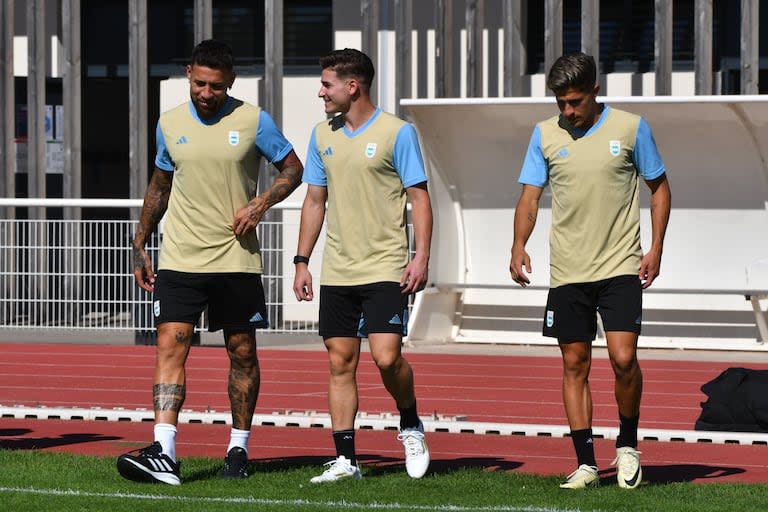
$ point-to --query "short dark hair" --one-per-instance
(350, 63)
(213, 54)
(572, 71)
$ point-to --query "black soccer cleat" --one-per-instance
(235, 464)
(149, 464)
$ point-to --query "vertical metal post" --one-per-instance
(515, 54)
(474, 23)
(663, 47)
(36, 156)
(8, 283)
(403, 30)
(590, 30)
(7, 105)
(702, 57)
(72, 103)
(203, 20)
(369, 12)
(272, 103)
(36, 104)
(444, 54)
(514, 47)
(750, 48)
(137, 101)
(273, 59)
(553, 32)
(71, 283)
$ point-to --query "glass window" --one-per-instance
(307, 31)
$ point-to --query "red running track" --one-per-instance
(486, 388)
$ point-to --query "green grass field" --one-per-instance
(34, 481)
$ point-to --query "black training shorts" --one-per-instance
(235, 300)
(570, 313)
(356, 311)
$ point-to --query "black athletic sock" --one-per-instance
(627, 431)
(345, 444)
(409, 418)
(585, 449)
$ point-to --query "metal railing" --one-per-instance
(78, 274)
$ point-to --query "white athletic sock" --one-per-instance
(239, 438)
(165, 434)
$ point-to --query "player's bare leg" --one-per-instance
(397, 376)
(577, 399)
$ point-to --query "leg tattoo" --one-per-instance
(168, 397)
(244, 379)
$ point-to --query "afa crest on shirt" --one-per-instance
(614, 146)
(234, 138)
(370, 149)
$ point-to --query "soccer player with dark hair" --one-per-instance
(592, 157)
(205, 183)
(366, 164)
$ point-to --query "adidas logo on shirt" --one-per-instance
(182, 140)
(327, 151)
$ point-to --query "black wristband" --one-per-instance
(300, 259)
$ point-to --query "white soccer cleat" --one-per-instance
(584, 476)
(340, 468)
(416, 451)
(629, 473)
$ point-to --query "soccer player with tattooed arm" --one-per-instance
(205, 183)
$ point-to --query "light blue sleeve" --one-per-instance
(162, 158)
(270, 141)
(407, 157)
(535, 170)
(314, 170)
(646, 156)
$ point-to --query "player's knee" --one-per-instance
(244, 359)
(388, 363)
(342, 366)
(625, 365)
(576, 364)
(241, 348)
(171, 354)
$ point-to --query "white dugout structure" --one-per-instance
(715, 263)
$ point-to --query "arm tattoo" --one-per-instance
(532, 218)
(285, 183)
(168, 397)
(155, 204)
(138, 259)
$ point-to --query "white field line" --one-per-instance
(298, 503)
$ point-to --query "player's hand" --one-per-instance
(520, 266)
(142, 270)
(248, 217)
(415, 276)
(650, 268)
(302, 283)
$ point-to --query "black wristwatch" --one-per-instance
(300, 259)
